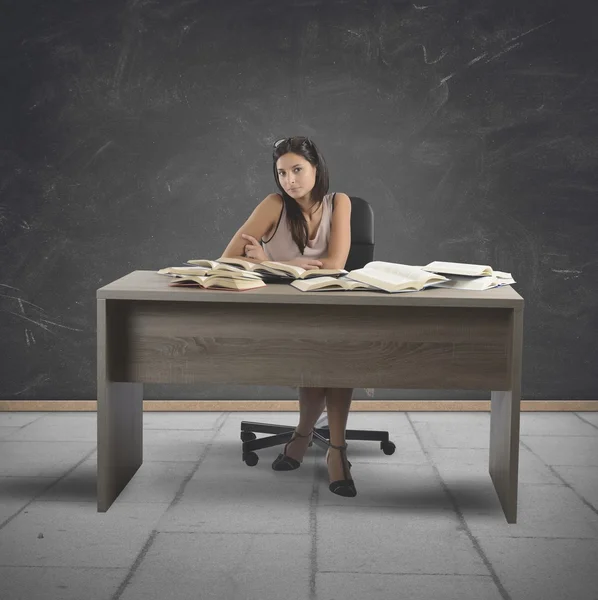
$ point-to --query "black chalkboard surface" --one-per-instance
(138, 135)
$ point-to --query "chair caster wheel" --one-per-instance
(247, 436)
(388, 447)
(251, 459)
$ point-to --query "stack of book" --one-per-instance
(396, 277)
(376, 276)
(239, 274)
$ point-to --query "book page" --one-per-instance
(247, 265)
(203, 262)
(183, 271)
(236, 274)
(452, 268)
(311, 273)
(239, 284)
(353, 284)
(306, 285)
(397, 273)
(187, 279)
(276, 267)
(503, 275)
(330, 283)
(461, 282)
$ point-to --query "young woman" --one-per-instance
(304, 225)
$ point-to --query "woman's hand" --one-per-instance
(305, 263)
(253, 249)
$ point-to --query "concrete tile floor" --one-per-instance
(196, 522)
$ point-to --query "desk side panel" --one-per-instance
(505, 423)
(119, 406)
(307, 345)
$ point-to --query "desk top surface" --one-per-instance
(149, 285)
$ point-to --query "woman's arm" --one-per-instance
(329, 263)
(257, 225)
(339, 243)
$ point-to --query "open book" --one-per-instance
(268, 267)
(330, 284)
(204, 271)
(395, 277)
(464, 269)
(461, 282)
(184, 271)
(225, 283)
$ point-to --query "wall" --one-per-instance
(138, 135)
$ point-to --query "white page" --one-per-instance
(503, 275)
(395, 272)
(459, 268)
(459, 282)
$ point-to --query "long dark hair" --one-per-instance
(308, 150)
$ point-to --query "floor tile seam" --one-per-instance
(8, 440)
(368, 463)
(437, 447)
(169, 462)
(206, 429)
(218, 425)
(27, 476)
(462, 522)
(559, 435)
(78, 567)
(45, 489)
(136, 563)
(541, 537)
(191, 462)
(401, 573)
(541, 484)
(577, 466)
(585, 420)
(560, 478)
(235, 533)
(42, 416)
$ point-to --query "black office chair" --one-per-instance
(360, 253)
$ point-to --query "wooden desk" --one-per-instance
(148, 332)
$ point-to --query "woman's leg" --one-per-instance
(312, 401)
(338, 403)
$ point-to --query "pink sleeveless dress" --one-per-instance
(281, 245)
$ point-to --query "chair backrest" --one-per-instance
(362, 234)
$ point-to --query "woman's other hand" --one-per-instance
(305, 263)
(253, 249)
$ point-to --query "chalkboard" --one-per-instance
(137, 135)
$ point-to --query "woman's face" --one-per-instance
(297, 176)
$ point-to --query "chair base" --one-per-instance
(283, 433)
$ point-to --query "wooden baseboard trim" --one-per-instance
(293, 405)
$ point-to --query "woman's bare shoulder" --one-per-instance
(345, 197)
(340, 198)
(275, 199)
(270, 205)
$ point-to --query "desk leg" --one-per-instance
(120, 439)
(504, 427)
(504, 450)
(119, 411)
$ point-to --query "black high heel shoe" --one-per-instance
(343, 487)
(285, 463)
